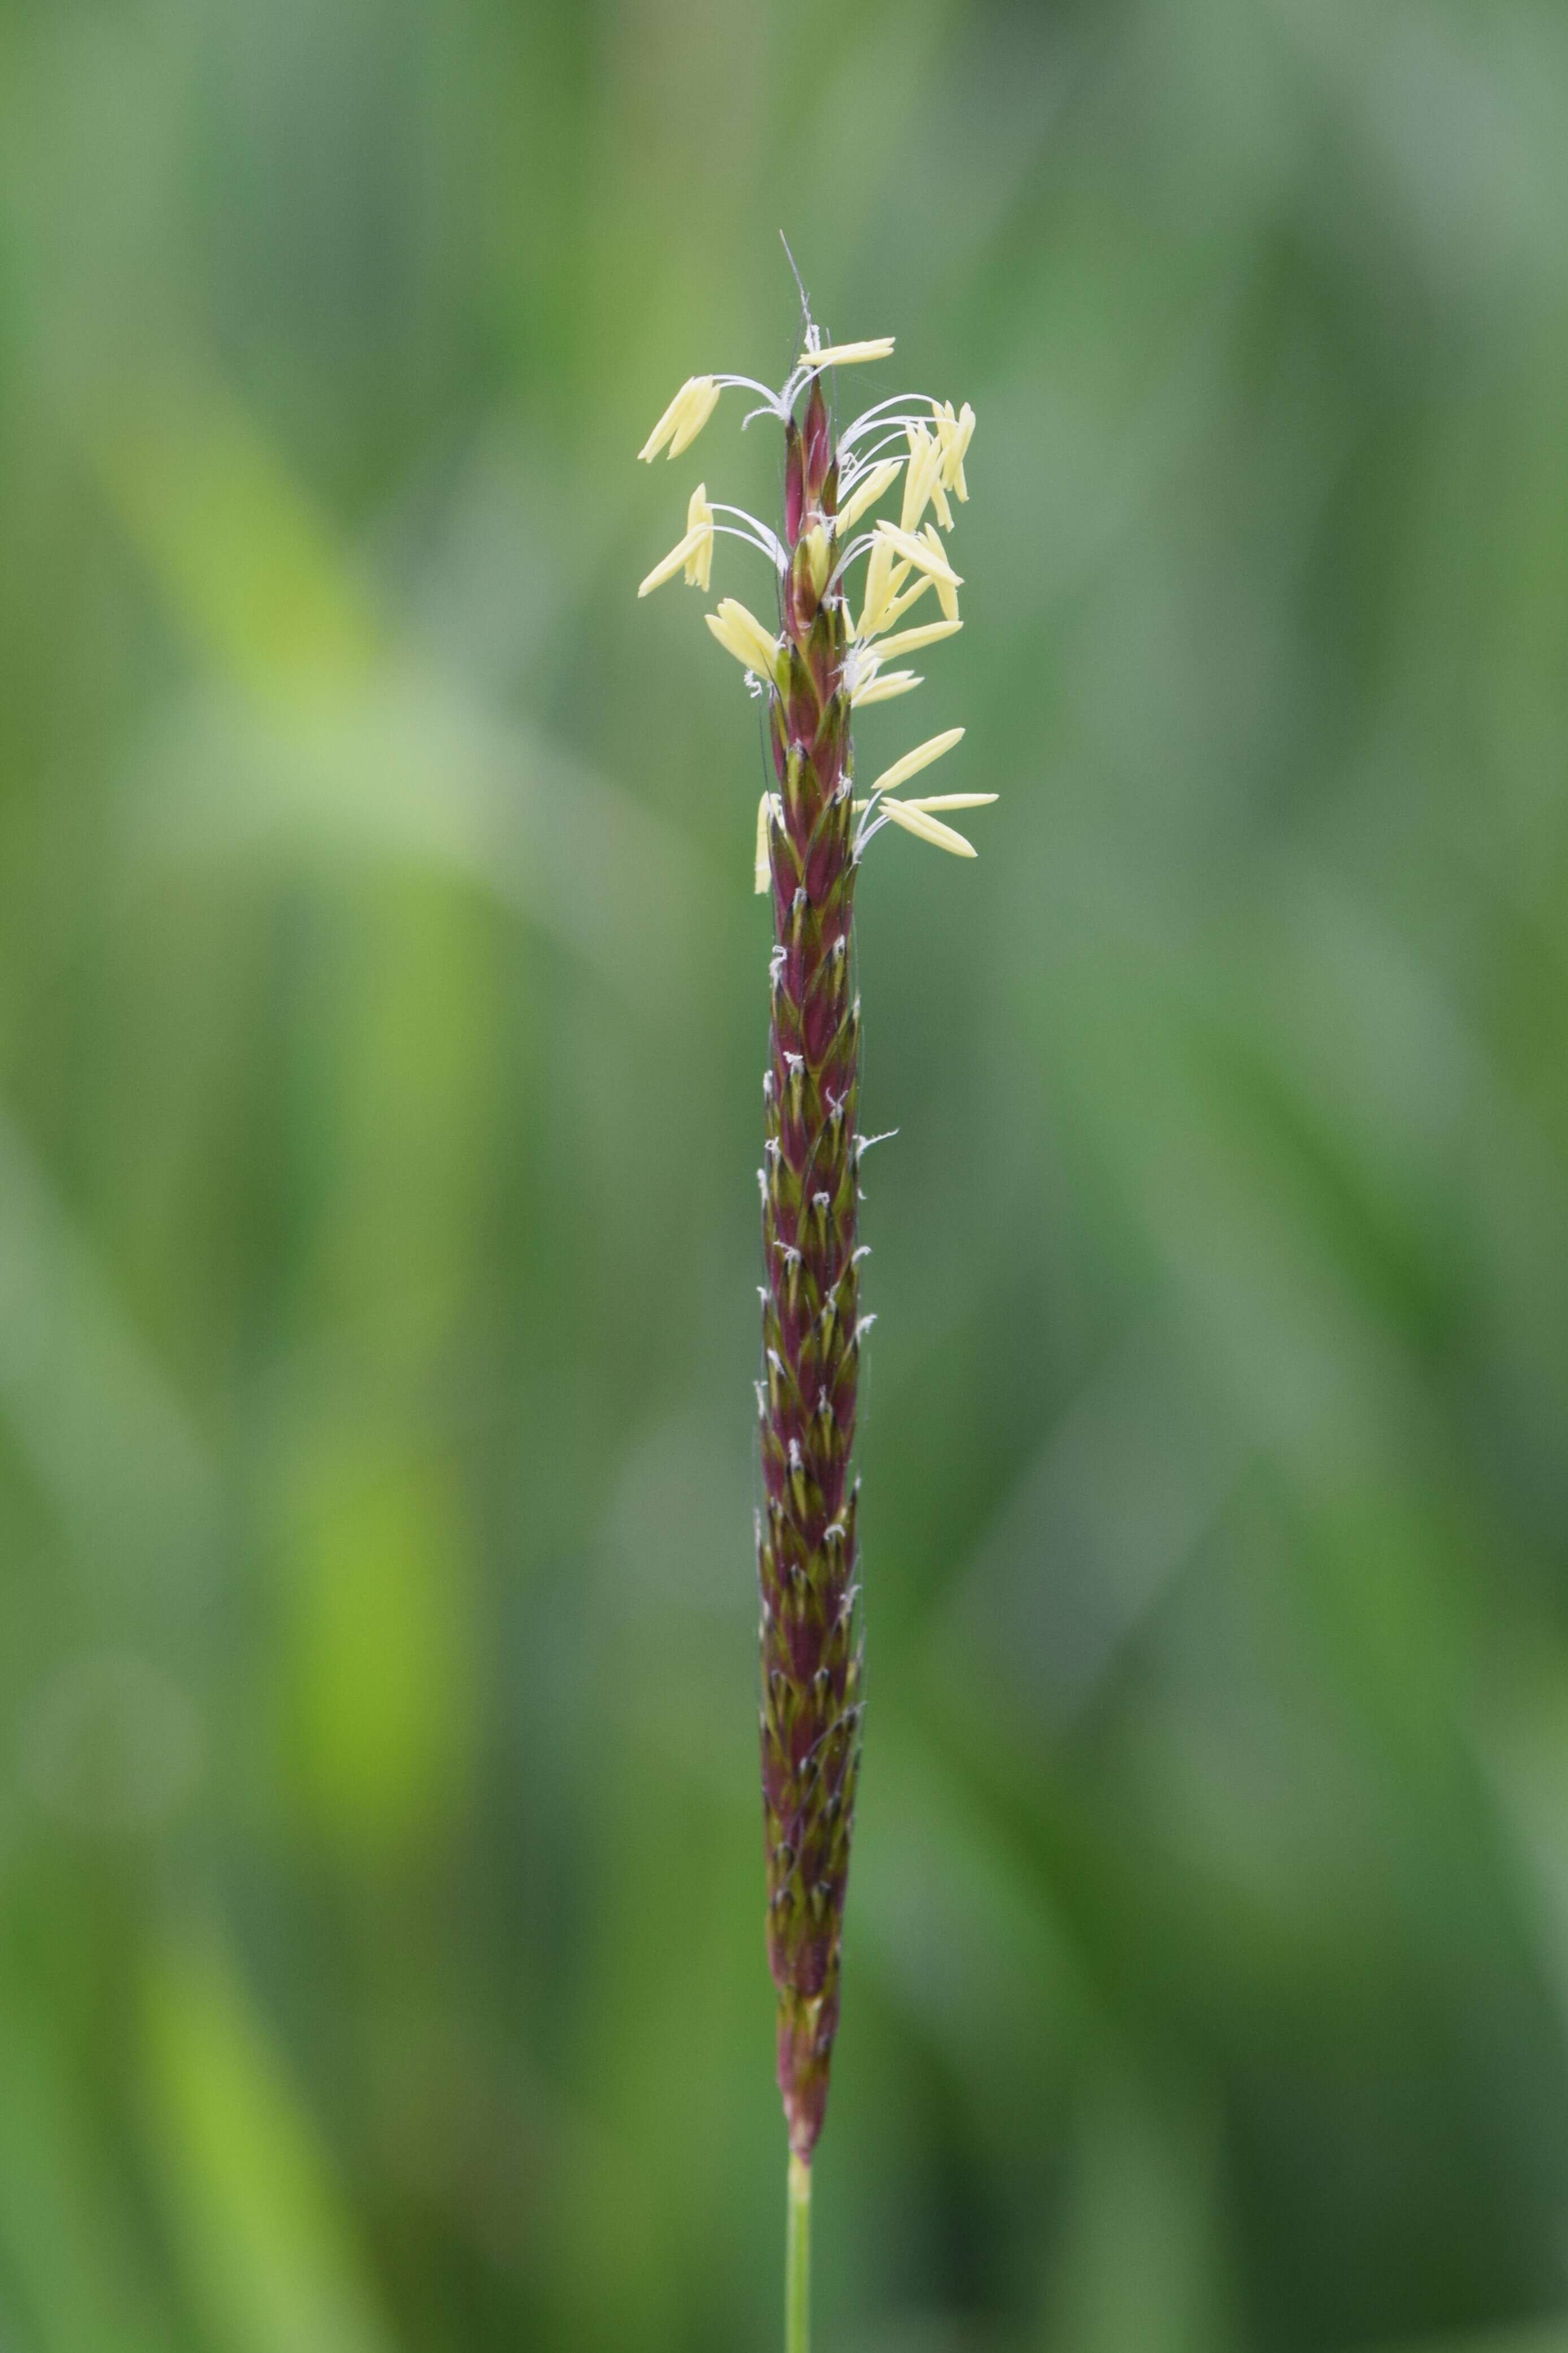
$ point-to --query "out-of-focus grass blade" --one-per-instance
(108, 1440)
(381, 1658)
(963, 1930)
(68, 2248)
(409, 768)
(1125, 1488)
(242, 556)
(339, 737)
(1142, 2267)
(252, 2202)
(1533, 2336)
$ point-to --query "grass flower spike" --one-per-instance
(815, 665)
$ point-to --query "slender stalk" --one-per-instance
(797, 2258)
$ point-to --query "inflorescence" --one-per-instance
(910, 433)
(822, 660)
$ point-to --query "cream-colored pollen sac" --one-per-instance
(913, 762)
(742, 634)
(769, 805)
(901, 604)
(882, 686)
(881, 589)
(935, 801)
(866, 494)
(700, 525)
(921, 476)
(692, 553)
(925, 556)
(952, 800)
(881, 347)
(703, 402)
(910, 641)
(954, 433)
(684, 419)
(927, 828)
(685, 551)
(946, 593)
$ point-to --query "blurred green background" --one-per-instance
(380, 1027)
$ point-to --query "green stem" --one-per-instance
(797, 2258)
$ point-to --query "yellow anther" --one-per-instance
(684, 419)
(742, 634)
